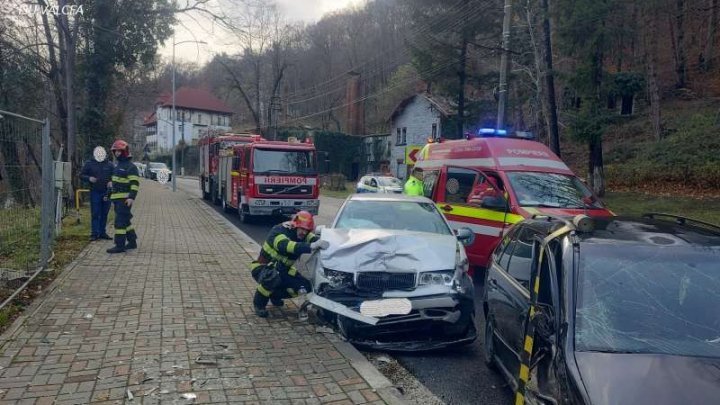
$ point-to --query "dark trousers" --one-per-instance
(99, 209)
(291, 281)
(124, 230)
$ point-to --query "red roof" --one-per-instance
(196, 99)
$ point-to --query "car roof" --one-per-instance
(387, 197)
(660, 230)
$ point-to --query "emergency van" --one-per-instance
(487, 183)
(269, 178)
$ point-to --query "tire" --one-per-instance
(489, 345)
(245, 216)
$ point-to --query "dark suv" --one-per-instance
(627, 310)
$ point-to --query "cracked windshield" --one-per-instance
(345, 201)
(641, 300)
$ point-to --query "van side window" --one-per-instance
(236, 163)
(459, 184)
(429, 182)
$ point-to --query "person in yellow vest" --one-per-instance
(414, 184)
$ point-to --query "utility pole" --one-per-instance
(504, 66)
(173, 118)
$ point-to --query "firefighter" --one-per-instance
(125, 186)
(414, 184)
(97, 172)
(274, 268)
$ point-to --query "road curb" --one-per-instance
(377, 381)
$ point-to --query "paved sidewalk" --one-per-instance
(172, 318)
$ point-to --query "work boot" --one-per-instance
(93, 238)
(259, 304)
(278, 302)
(131, 240)
(119, 245)
(105, 236)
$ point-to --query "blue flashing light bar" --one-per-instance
(492, 132)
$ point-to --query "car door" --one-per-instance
(509, 294)
(455, 187)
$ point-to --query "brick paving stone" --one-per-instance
(155, 310)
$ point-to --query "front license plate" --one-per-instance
(390, 306)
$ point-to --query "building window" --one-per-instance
(434, 131)
(404, 136)
(398, 141)
(199, 118)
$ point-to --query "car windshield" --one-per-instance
(534, 189)
(642, 299)
(399, 215)
(389, 182)
(284, 161)
(158, 166)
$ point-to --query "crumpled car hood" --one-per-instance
(387, 250)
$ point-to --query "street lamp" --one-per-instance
(174, 113)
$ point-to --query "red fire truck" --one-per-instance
(210, 147)
(264, 178)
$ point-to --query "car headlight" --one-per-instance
(444, 277)
(338, 279)
(313, 203)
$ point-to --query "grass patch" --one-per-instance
(349, 189)
(624, 203)
(72, 240)
(19, 238)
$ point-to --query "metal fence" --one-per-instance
(27, 196)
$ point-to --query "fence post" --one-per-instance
(48, 200)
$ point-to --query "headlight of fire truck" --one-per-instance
(313, 203)
(259, 202)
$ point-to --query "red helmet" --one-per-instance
(122, 146)
(304, 220)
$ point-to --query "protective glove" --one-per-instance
(320, 244)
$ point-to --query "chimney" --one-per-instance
(355, 120)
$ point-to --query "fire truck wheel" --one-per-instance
(245, 216)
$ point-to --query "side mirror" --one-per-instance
(319, 229)
(465, 236)
(495, 203)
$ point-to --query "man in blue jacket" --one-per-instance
(97, 172)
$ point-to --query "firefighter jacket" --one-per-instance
(282, 246)
(413, 186)
(102, 171)
(125, 180)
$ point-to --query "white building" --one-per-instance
(412, 122)
(198, 111)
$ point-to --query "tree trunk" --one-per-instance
(462, 78)
(709, 53)
(651, 48)
(681, 67)
(597, 171)
(550, 101)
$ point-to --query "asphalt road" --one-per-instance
(457, 376)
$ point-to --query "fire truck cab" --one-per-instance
(210, 147)
(269, 178)
(487, 183)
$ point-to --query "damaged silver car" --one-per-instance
(395, 275)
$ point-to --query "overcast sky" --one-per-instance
(294, 10)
